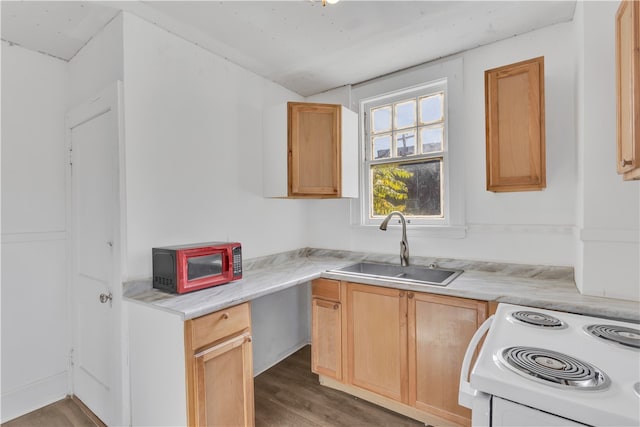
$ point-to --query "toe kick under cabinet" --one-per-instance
(196, 372)
(399, 349)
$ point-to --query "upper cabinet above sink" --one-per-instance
(310, 151)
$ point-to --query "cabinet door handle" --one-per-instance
(336, 306)
(401, 294)
(626, 162)
(225, 316)
(410, 295)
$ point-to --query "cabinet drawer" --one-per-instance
(207, 329)
(326, 289)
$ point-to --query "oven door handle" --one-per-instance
(466, 393)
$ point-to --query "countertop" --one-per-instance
(547, 287)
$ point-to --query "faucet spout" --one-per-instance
(404, 244)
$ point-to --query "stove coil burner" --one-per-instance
(535, 318)
(628, 337)
(553, 368)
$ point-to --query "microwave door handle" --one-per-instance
(466, 393)
(228, 256)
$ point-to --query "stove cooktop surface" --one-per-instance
(616, 334)
(566, 369)
(537, 319)
(553, 368)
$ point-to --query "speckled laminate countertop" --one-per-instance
(547, 287)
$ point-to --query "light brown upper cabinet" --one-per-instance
(628, 89)
(514, 109)
(310, 151)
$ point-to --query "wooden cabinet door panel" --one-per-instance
(326, 338)
(224, 384)
(439, 333)
(628, 89)
(314, 149)
(377, 340)
(515, 125)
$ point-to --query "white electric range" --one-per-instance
(547, 368)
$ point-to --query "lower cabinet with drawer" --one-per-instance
(399, 349)
(196, 372)
(219, 369)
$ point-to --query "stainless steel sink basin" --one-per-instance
(396, 273)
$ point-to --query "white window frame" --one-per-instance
(450, 69)
(430, 88)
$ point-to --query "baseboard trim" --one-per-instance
(385, 402)
(36, 395)
(88, 412)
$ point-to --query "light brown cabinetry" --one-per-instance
(440, 328)
(377, 340)
(310, 151)
(628, 89)
(402, 350)
(314, 149)
(326, 329)
(515, 127)
(219, 368)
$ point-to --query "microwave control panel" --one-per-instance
(237, 261)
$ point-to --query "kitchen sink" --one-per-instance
(418, 275)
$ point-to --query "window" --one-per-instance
(405, 155)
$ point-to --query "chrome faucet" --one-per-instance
(404, 245)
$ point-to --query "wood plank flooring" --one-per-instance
(64, 413)
(288, 394)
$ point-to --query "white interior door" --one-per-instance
(93, 131)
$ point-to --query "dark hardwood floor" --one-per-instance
(288, 394)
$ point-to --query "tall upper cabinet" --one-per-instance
(515, 124)
(310, 151)
(628, 89)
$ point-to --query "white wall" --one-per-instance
(524, 227)
(194, 151)
(98, 64)
(281, 324)
(608, 216)
(193, 131)
(35, 332)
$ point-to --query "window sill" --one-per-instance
(439, 231)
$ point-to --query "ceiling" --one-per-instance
(298, 44)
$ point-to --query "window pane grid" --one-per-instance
(405, 156)
(406, 137)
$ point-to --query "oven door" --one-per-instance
(203, 267)
(507, 413)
